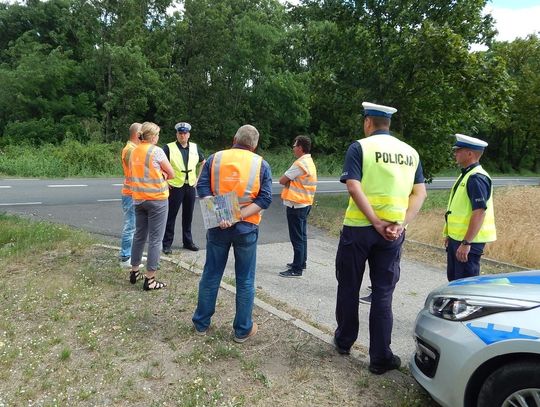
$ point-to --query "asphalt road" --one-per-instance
(93, 204)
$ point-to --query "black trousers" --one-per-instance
(356, 246)
(177, 197)
(456, 269)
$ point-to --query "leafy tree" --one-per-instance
(514, 137)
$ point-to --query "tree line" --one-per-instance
(86, 69)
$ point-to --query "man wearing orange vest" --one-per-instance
(127, 201)
(240, 170)
(300, 184)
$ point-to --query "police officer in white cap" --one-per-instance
(469, 219)
(386, 186)
(184, 156)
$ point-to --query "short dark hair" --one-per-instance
(304, 142)
(380, 122)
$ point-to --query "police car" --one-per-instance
(478, 341)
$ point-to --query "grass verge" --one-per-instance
(77, 333)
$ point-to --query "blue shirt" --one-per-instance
(352, 168)
(478, 188)
(263, 199)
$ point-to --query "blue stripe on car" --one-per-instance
(516, 279)
(491, 335)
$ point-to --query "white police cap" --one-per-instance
(182, 127)
(371, 109)
(463, 141)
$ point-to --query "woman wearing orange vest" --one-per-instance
(149, 170)
(300, 182)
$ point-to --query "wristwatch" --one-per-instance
(465, 242)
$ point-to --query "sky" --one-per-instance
(515, 18)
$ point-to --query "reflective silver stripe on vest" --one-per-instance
(301, 191)
(252, 174)
(127, 157)
(151, 190)
(147, 180)
(215, 176)
(309, 183)
(147, 161)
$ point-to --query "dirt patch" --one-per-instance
(79, 334)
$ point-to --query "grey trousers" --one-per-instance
(150, 221)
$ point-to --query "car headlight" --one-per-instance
(465, 308)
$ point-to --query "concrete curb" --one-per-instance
(305, 326)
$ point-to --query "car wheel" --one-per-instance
(516, 384)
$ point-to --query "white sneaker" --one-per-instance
(127, 263)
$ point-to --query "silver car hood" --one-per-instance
(523, 285)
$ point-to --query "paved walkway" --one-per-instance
(315, 293)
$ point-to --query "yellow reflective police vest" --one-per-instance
(147, 182)
(126, 155)
(459, 212)
(388, 169)
(302, 189)
(237, 170)
(177, 162)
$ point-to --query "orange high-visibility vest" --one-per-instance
(237, 170)
(147, 182)
(302, 189)
(126, 155)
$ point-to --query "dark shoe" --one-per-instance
(291, 273)
(153, 284)
(168, 250)
(192, 246)
(289, 265)
(251, 333)
(365, 300)
(340, 350)
(134, 276)
(393, 363)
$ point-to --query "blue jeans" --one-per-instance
(217, 252)
(297, 221)
(128, 230)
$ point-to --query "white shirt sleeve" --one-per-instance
(294, 171)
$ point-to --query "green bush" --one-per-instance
(69, 159)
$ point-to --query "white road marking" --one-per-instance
(66, 185)
(20, 203)
(109, 200)
(5, 186)
(118, 185)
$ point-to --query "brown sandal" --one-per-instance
(152, 284)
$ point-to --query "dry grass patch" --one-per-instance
(518, 238)
(516, 208)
